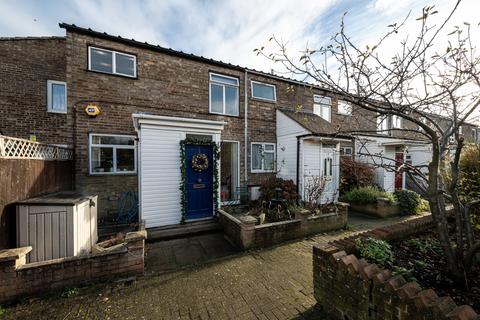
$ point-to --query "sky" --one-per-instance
(225, 30)
(229, 30)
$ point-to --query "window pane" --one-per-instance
(125, 160)
(124, 64)
(263, 91)
(58, 97)
(216, 98)
(101, 60)
(325, 109)
(256, 157)
(217, 78)
(269, 160)
(102, 159)
(231, 100)
(322, 100)
(118, 140)
(344, 108)
(269, 147)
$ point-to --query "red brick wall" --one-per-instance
(166, 85)
(18, 279)
(25, 66)
(349, 288)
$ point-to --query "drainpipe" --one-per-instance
(298, 164)
(245, 166)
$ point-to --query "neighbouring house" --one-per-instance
(130, 110)
(389, 147)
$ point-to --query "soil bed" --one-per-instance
(422, 255)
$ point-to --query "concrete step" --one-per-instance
(180, 231)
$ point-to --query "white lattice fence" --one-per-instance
(15, 148)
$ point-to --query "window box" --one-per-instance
(263, 91)
(56, 96)
(112, 62)
(263, 157)
(224, 96)
(112, 154)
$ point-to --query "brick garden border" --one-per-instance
(243, 231)
(349, 288)
(18, 279)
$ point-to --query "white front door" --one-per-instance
(320, 164)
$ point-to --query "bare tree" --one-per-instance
(314, 189)
(423, 78)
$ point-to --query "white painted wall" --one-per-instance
(287, 132)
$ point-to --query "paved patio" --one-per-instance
(273, 283)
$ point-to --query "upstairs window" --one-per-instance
(56, 96)
(396, 122)
(223, 95)
(382, 123)
(322, 107)
(112, 154)
(108, 61)
(344, 108)
(263, 91)
(263, 157)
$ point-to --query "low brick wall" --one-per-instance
(18, 279)
(348, 288)
(242, 230)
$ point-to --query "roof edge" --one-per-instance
(32, 38)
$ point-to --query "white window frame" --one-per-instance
(321, 105)
(382, 126)
(252, 82)
(397, 121)
(344, 149)
(114, 63)
(348, 107)
(210, 81)
(237, 168)
(50, 96)
(114, 153)
(274, 151)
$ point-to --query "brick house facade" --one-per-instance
(166, 83)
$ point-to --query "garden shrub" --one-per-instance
(288, 191)
(355, 174)
(469, 182)
(367, 195)
(409, 201)
(375, 251)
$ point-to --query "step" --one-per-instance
(179, 231)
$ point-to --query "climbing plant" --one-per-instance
(183, 171)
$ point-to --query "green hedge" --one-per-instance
(409, 201)
(367, 195)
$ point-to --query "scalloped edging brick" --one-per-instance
(349, 288)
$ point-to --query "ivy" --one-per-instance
(183, 171)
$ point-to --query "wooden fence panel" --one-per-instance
(25, 178)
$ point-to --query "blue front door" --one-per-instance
(199, 197)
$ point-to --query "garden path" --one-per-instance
(272, 283)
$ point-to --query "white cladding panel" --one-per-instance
(160, 176)
(287, 132)
(314, 154)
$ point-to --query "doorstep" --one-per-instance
(184, 230)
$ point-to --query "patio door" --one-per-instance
(229, 172)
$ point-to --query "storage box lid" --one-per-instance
(60, 198)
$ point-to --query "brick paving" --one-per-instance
(273, 283)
